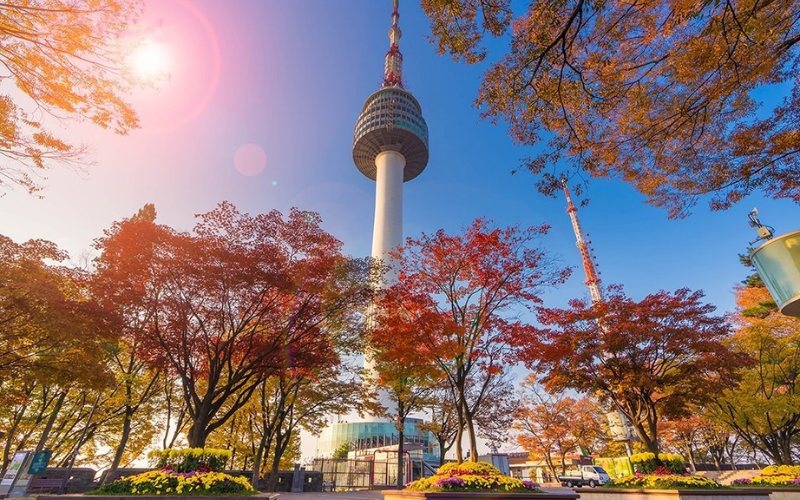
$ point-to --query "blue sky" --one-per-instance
(292, 79)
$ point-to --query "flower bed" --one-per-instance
(785, 476)
(472, 480)
(170, 482)
(472, 476)
(664, 482)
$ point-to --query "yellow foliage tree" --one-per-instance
(62, 55)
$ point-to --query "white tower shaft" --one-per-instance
(387, 233)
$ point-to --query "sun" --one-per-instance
(149, 61)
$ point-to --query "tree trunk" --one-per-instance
(692, 463)
(197, 432)
(550, 465)
(441, 450)
(400, 451)
(731, 451)
(10, 434)
(459, 437)
(260, 452)
(51, 420)
(281, 443)
(123, 441)
(473, 444)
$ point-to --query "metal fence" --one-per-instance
(345, 474)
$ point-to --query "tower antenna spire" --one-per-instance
(619, 424)
(393, 66)
(589, 267)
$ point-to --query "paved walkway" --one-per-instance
(367, 495)
(343, 495)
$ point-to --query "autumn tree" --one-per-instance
(64, 57)
(764, 409)
(651, 359)
(720, 442)
(456, 300)
(442, 419)
(683, 437)
(54, 343)
(132, 313)
(235, 300)
(657, 94)
(47, 320)
(405, 377)
(494, 422)
(299, 399)
(551, 426)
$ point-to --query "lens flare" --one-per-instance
(149, 61)
(250, 159)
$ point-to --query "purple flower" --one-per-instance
(450, 482)
(741, 481)
(795, 481)
(530, 484)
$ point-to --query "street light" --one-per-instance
(777, 261)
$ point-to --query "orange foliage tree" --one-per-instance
(684, 436)
(551, 426)
(239, 299)
(657, 94)
(453, 305)
(64, 57)
(651, 359)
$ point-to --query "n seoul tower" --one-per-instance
(390, 146)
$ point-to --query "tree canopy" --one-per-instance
(65, 58)
(650, 359)
(456, 303)
(764, 409)
(658, 94)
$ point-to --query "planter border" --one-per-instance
(477, 495)
(260, 496)
(684, 491)
(768, 488)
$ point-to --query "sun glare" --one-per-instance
(149, 61)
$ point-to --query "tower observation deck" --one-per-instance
(390, 146)
(391, 119)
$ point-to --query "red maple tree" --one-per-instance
(650, 359)
(454, 305)
(239, 299)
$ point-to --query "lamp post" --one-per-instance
(777, 261)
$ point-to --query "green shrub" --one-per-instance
(673, 462)
(190, 459)
(645, 463)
